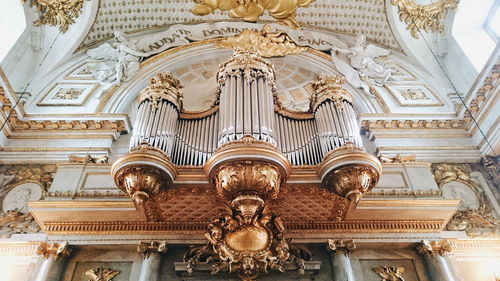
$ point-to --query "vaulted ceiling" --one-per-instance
(343, 16)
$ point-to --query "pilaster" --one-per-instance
(54, 256)
(340, 251)
(434, 254)
(151, 252)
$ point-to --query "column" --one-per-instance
(54, 256)
(339, 255)
(434, 255)
(151, 252)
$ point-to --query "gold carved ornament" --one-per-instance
(57, 250)
(102, 274)
(250, 10)
(390, 273)
(247, 238)
(431, 248)
(427, 17)
(264, 43)
(60, 13)
(475, 222)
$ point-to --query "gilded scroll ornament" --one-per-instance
(427, 17)
(58, 250)
(152, 248)
(250, 10)
(390, 273)
(264, 43)
(60, 13)
(102, 274)
(247, 241)
(475, 215)
(431, 248)
(397, 158)
(346, 246)
(88, 159)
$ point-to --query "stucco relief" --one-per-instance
(20, 184)
(475, 215)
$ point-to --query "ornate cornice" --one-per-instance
(16, 124)
(368, 125)
(423, 17)
(137, 227)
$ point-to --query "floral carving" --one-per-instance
(102, 274)
(390, 273)
(427, 17)
(60, 13)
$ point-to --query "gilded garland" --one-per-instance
(60, 13)
(423, 17)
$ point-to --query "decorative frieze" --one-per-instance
(368, 125)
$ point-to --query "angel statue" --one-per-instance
(358, 66)
(118, 61)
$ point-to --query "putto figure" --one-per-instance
(358, 66)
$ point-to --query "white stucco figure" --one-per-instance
(119, 60)
(358, 66)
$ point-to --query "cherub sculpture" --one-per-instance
(118, 61)
(358, 66)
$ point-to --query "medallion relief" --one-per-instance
(475, 215)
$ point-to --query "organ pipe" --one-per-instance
(246, 94)
(334, 115)
(157, 114)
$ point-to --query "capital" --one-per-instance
(431, 248)
(58, 250)
(345, 246)
(154, 248)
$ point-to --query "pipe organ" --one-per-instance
(247, 106)
(247, 146)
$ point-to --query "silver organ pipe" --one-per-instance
(243, 79)
(196, 140)
(333, 111)
(157, 115)
(246, 100)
